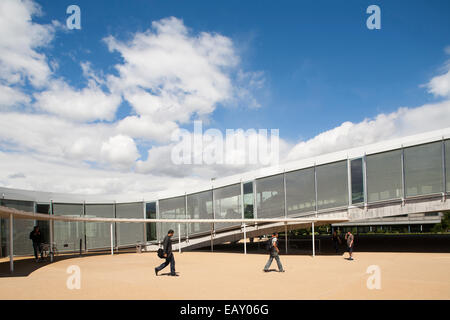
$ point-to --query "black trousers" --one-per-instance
(37, 247)
(170, 259)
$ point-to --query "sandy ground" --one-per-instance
(220, 275)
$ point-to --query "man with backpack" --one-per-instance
(168, 255)
(273, 251)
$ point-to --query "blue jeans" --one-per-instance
(277, 258)
(170, 259)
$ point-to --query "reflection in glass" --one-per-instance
(384, 176)
(332, 185)
(300, 192)
(357, 179)
(227, 205)
(423, 169)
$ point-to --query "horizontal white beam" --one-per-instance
(18, 214)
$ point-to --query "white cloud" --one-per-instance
(440, 85)
(11, 97)
(120, 150)
(87, 104)
(20, 40)
(403, 122)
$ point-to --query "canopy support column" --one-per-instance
(11, 243)
(313, 241)
(112, 238)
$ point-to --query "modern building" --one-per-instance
(405, 180)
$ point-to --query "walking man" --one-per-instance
(36, 237)
(349, 237)
(274, 254)
(168, 254)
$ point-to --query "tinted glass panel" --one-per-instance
(173, 208)
(384, 176)
(356, 169)
(447, 163)
(248, 200)
(150, 213)
(270, 197)
(423, 169)
(128, 234)
(300, 192)
(332, 185)
(98, 234)
(68, 234)
(227, 205)
(200, 206)
(22, 228)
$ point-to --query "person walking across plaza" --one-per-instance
(274, 251)
(168, 254)
(350, 242)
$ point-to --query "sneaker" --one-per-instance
(282, 271)
(174, 275)
(265, 270)
(156, 271)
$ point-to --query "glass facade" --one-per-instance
(300, 192)
(332, 185)
(248, 200)
(357, 180)
(150, 213)
(270, 197)
(173, 208)
(22, 228)
(98, 234)
(128, 234)
(67, 235)
(381, 173)
(227, 205)
(447, 164)
(384, 176)
(423, 169)
(200, 206)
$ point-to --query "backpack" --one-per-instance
(269, 245)
(160, 253)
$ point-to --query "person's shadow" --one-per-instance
(168, 274)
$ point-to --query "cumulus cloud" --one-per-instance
(440, 85)
(11, 97)
(20, 41)
(87, 104)
(120, 150)
(403, 122)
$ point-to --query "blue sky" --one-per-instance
(322, 65)
(316, 63)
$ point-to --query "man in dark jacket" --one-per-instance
(168, 254)
(274, 251)
(36, 237)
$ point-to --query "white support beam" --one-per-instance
(11, 243)
(51, 241)
(179, 238)
(112, 238)
(313, 240)
(286, 236)
(245, 240)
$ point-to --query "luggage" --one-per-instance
(160, 253)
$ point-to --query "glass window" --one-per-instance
(384, 176)
(248, 200)
(300, 192)
(128, 234)
(173, 208)
(227, 205)
(67, 235)
(270, 197)
(332, 185)
(199, 206)
(423, 169)
(44, 226)
(357, 179)
(98, 234)
(21, 227)
(150, 213)
(447, 163)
